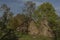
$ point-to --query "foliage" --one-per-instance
(46, 9)
(9, 23)
(6, 33)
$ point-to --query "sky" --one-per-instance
(16, 6)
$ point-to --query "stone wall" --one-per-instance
(43, 29)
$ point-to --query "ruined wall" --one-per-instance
(43, 29)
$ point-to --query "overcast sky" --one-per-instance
(17, 5)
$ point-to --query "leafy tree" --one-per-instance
(5, 31)
(46, 10)
(29, 8)
(21, 22)
(28, 12)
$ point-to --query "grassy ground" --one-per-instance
(29, 37)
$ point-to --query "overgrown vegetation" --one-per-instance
(11, 26)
